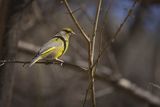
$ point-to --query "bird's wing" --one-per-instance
(53, 43)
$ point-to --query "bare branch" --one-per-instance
(43, 62)
(116, 34)
(76, 22)
(97, 18)
(116, 81)
(86, 94)
(91, 54)
(129, 88)
(155, 85)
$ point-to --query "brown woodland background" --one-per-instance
(25, 25)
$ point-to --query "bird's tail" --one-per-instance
(37, 58)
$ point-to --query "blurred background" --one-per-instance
(25, 25)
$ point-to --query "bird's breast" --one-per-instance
(57, 52)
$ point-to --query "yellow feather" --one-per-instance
(44, 54)
(47, 52)
(35, 60)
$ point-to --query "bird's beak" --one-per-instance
(73, 33)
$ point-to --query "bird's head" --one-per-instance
(69, 31)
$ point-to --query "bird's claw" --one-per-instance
(61, 61)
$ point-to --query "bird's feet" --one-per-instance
(55, 61)
(60, 61)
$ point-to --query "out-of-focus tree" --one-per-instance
(26, 24)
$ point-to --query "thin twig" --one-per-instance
(76, 22)
(104, 23)
(116, 33)
(91, 54)
(42, 62)
(76, 10)
(86, 94)
(155, 85)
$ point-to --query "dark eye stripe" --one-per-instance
(67, 31)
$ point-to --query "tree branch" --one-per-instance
(115, 81)
(76, 22)
(130, 88)
(107, 45)
(2, 62)
(91, 55)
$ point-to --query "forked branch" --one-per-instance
(110, 41)
(91, 55)
(76, 22)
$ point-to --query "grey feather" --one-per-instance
(50, 43)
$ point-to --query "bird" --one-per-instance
(56, 47)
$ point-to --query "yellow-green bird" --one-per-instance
(55, 47)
